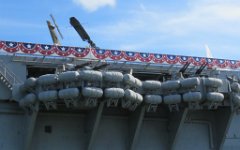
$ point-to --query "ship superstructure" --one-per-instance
(61, 97)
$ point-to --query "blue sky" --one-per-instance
(181, 27)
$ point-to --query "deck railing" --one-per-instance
(7, 76)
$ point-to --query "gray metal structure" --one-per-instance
(122, 106)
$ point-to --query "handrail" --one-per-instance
(9, 76)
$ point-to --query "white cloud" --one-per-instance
(201, 15)
(215, 16)
(199, 22)
(93, 5)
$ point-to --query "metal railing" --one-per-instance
(7, 76)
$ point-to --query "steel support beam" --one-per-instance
(135, 124)
(29, 130)
(92, 124)
(176, 121)
(223, 118)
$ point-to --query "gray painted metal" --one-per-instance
(30, 83)
(135, 124)
(90, 75)
(114, 127)
(190, 82)
(192, 97)
(29, 99)
(213, 82)
(215, 97)
(171, 85)
(93, 124)
(46, 96)
(69, 93)
(130, 80)
(114, 93)
(68, 76)
(176, 122)
(30, 125)
(235, 87)
(151, 85)
(236, 99)
(47, 79)
(153, 99)
(133, 96)
(112, 76)
(92, 92)
(172, 99)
